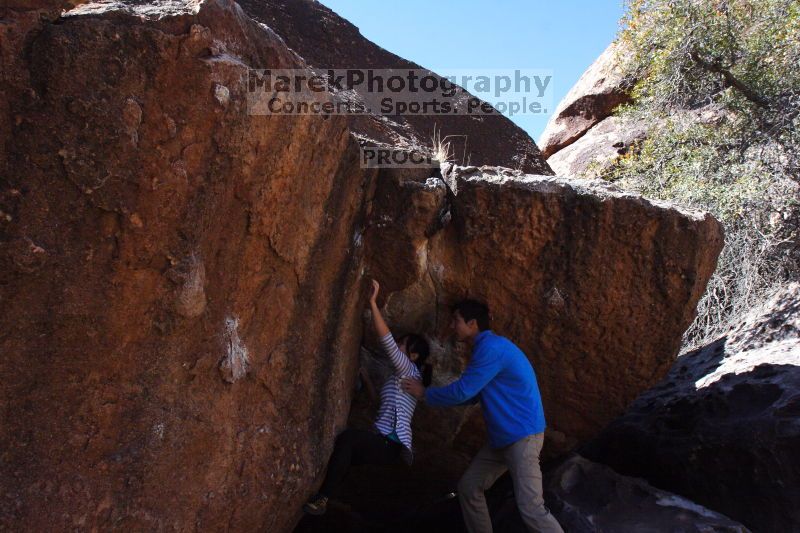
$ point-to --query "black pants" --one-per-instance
(358, 447)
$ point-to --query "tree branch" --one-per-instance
(730, 79)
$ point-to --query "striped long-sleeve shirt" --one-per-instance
(397, 407)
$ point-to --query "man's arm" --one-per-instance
(481, 370)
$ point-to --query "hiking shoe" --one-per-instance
(316, 505)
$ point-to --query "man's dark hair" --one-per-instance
(473, 309)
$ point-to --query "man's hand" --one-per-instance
(413, 387)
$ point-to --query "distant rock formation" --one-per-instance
(598, 148)
(583, 137)
(723, 427)
(592, 99)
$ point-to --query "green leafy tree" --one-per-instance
(717, 82)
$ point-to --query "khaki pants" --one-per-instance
(522, 460)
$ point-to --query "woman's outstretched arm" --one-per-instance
(401, 363)
(377, 319)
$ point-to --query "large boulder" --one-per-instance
(176, 272)
(172, 280)
(575, 272)
(723, 427)
(595, 96)
(587, 497)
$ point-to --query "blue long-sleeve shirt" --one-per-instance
(503, 379)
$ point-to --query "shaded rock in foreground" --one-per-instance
(587, 497)
(723, 428)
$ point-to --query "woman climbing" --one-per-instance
(390, 440)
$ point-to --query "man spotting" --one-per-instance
(502, 379)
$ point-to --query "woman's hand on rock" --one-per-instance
(375, 289)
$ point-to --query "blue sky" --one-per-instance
(560, 36)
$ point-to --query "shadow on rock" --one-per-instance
(723, 428)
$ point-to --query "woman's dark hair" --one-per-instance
(473, 309)
(418, 345)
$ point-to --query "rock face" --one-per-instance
(594, 97)
(171, 279)
(723, 427)
(613, 137)
(539, 251)
(598, 148)
(182, 282)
